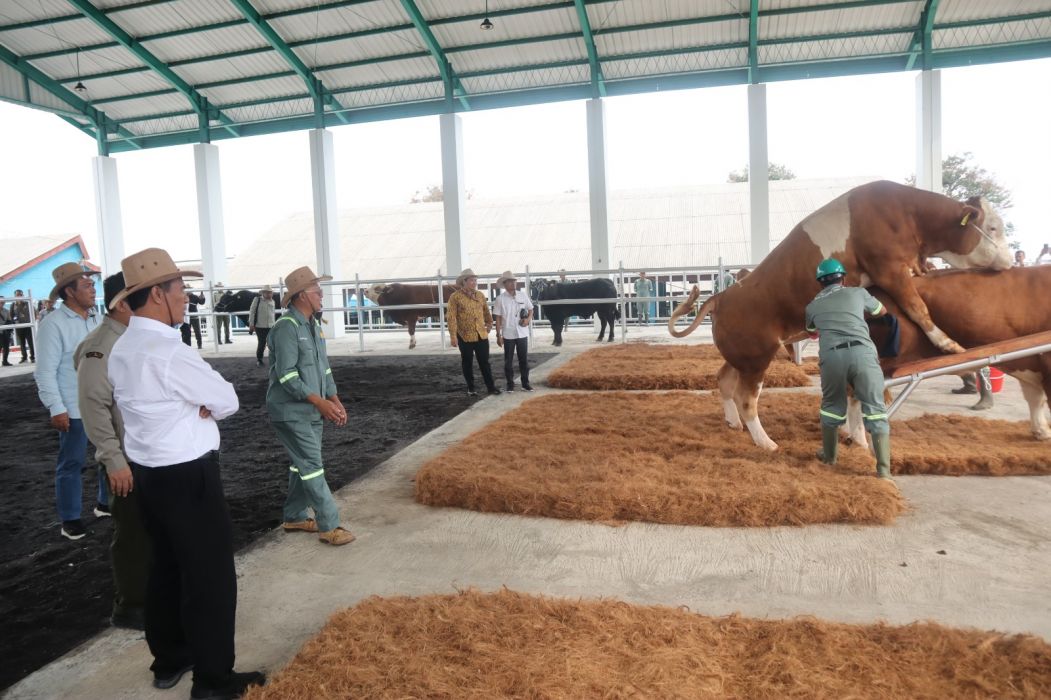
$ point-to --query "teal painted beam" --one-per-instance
(110, 27)
(598, 83)
(453, 88)
(78, 105)
(314, 85)
(921, 40)
(753, 41)
(30, 24)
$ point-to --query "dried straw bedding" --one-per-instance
(507, 644)
(669, 458)
(637, 366)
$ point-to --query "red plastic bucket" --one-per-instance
(996, 380)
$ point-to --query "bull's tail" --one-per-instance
(709, 306)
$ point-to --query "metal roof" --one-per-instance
(664, 227)
(19, 253)
(165, 72)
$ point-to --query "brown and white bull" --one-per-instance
(398, 294)
(882, 232)
(978, 308)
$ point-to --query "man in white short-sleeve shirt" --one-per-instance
(512, 313)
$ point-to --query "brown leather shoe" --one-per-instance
(336, 537)
(308, 525)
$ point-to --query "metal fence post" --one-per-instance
(441, 307)
(361, 312)
(529, 295)
(211, 323)
(623, 305)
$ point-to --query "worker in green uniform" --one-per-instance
(848, 358)
(300, 397)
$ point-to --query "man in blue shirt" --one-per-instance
(848, 358)
(57, 338)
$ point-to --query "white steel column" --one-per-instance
(454, 200)
(108, 219)
(326, 223)
(758, 173)
(601, 248)
(210, 212)
(929, 130)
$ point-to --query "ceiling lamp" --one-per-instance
(486, 25)
(80, 86)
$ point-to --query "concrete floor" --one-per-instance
(971, 552)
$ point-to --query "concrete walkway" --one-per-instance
(971, 552)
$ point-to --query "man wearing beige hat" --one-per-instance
(300, 397)
(513, 312)
(170, 399)
(58, 336)
(261, 319)
(222, 321)
(469, 322)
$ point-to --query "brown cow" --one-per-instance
(978, 308)
(398, 294)
(882, 232)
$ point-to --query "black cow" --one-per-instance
(241, 302)
(597, 288)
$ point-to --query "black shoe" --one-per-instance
(527, 387)
(7, 364)
(102, 511)
(495, 392)
(22, 361)
(229, 342)
(164, 681)
(510, 388)
(73, 529)
(259, 363)
(198, 346)
(130, 619)
(234, 687)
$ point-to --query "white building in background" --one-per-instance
(669, 227)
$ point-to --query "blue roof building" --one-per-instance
(26, 263)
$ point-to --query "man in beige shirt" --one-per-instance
(105, 429)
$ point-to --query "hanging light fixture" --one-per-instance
(486, 25)
(80, 86)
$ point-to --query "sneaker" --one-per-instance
(235, 686)
(170, 679)
(495, 392)
(308, 525)
(472, 392)
(73, 529)
(336, 537)
(102, 511)
(527, 387)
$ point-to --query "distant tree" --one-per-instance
(776, 171)
(963, 179)
(432, 194)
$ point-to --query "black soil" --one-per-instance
(56, 594)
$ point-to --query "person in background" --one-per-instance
(171, 400)
(1019, 258)
(512, 312)
(5, 333)
(469, 322)
(261, 319)
(59, 335)
(848, 359)
(196, 302)
(1045, 252)
(222, 322)
(43, 308)
(301, 395)
(643, 288)
(129, 550)
(20, 314)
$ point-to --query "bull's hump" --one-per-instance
(829, 227)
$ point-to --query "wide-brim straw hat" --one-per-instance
(64, 274)
(147, 268)
(266, 288)
(301, 278)
(507, 276)
(464, 276)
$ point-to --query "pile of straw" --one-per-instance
(507, 644)
(669, 458)
(637, 366)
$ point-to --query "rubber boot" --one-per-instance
(985, 389)
(968, 385)
(829, 444)
(881, 448)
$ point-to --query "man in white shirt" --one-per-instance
(512, 313)
(170, 400)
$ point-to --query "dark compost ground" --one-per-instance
(56, 594)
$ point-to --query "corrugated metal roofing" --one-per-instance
(537, 50)
(670, 227)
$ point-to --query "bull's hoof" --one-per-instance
(1042, 436)
(768, 445)
(734, 425)
(557, 344)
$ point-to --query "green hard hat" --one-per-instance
(831, 266)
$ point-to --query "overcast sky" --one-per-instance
(819, 128)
